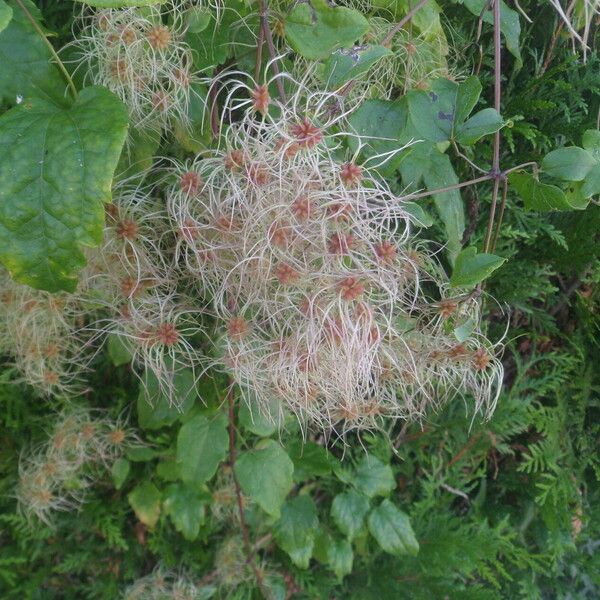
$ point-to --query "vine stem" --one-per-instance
(402, 22)
(497, 98)
(268, 35)
(448, 188)
(59, 63)
(238, 492)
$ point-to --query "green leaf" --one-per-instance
(155, 410)
(119, 349)
(425, 162)
(138, 153)
(296, 529)
(344, 65)
(202, 444)
(340, 557)
(265, 475)
(120, 3)
(168, 469)
(392, 530)
(348, 511)
(591, 184)
(145, 501)
(591, 142)
(6, 14)
(379, 125)
(471, 268)
(256, 422)
(484, 122)
(570, 164)
(186, 508)
(26, 71)
(420, 216)
(538, 196)
(119, 472)
(56, 172)
(373, 478)
(141, 454)
(315, 30)
(310, 460)
(510, 27)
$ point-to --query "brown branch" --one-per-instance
(238, 492)
(448, 188)
(470, 443)
(268, 34)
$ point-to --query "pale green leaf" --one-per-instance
(6, 13)
(340, 557)
(265, 475)
(392, 529)
(373, 478)
(570, 164)
(348, 511)
(538, 196)
(296, 529)
(119, 471)
(202, 444)
(145, 501)
(56, 170)
(119, 349)
(315, 30)
(484, 122)
(346, 64)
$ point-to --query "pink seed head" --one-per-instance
(340, 243)
(261, 99)
(340, 211)
(302, 208)
(237, 328)
(127, 229)
(189, 182)
(166, 334)
(481, 359)
(279, 233)
(351, 288)
(258, 174)
(350, 174)
(386, 251)
(234, 160)
(159, 37)
(286, 274)
(306, 134)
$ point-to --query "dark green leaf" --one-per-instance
(56, 172)
(392, 530)
(256, 422)
(315, 30)
(484, 122)
(202, 444)
(145, 501)
(265, 475)
(471, 268)
(340, 557)
(310, 460)
(373, 478)
(185, 507)
(6, 13)
(348, 511)
(538, 196)
(119, 349)
(155, 410)
(119, 472)
(296, 529)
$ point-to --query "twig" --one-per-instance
(59, 63)
(501, 215)
(449, 188)
(268, 34)
(402, 22)
(238, 492)
(470, 443)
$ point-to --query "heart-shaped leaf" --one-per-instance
(392, 530)
(570, 164)
(471, 268)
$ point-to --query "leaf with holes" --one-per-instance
(56, 171)
(315, 30)
(344, 65)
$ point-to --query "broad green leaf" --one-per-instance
(373, 478)
(344, 65)
(340, 557)
(484, 122)
(296, 529)
(120, 3)
(348, 510)
(202, 444)
(119, 349)
(56, 171)
(310, 460)
(420, 216)
(379, 125)
(471, 268)
(538, 196)
(154, 409)
(138, 153)
(591, 142)
(198, 18)
(392, 530)
(315, 30)
(591, 184)
(145, 501)
(26, 71)
(510, 27)
(168, 469)
(425, 162)
(6, 13)
(265, 475)
(186, 508)
(570, 164)
(256, 422)
(467, 94)
(119, 471)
